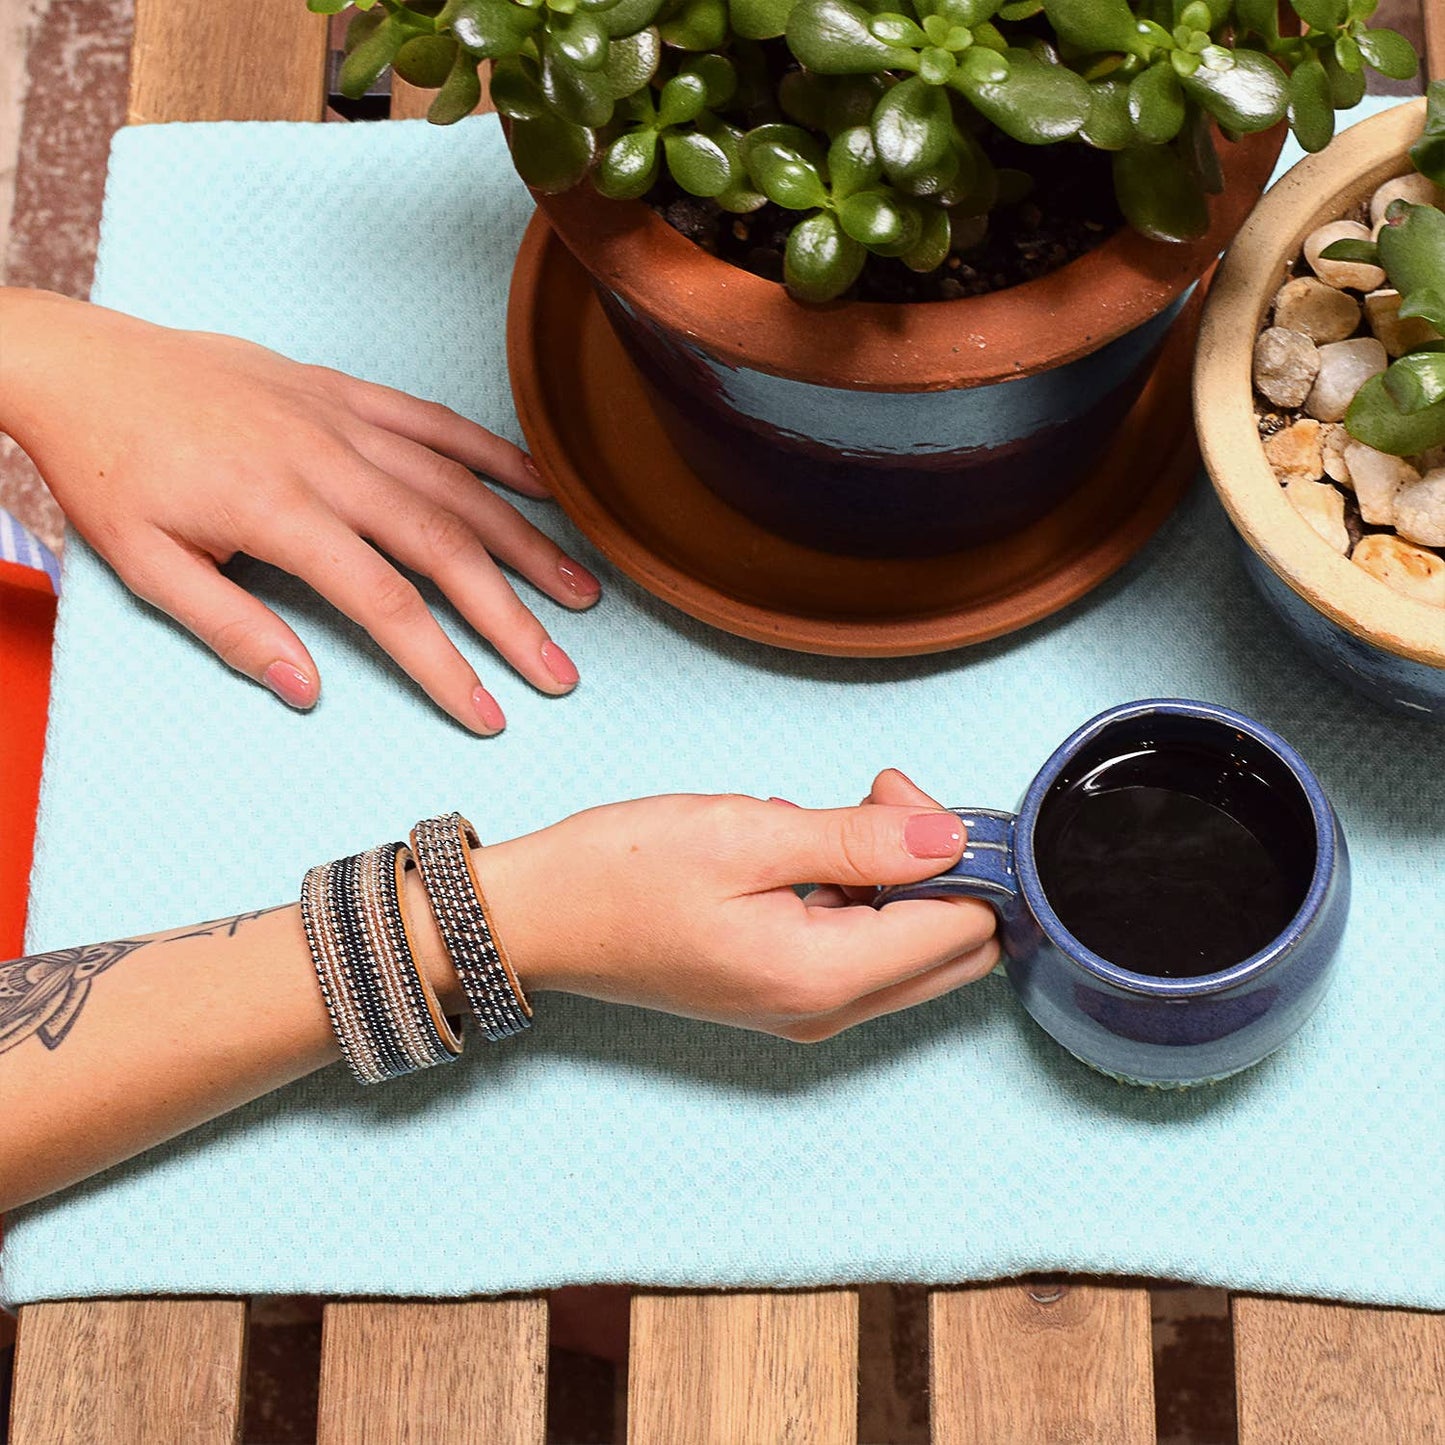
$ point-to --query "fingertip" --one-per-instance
(489, 717)
(531, 481)
(560, 668)
(296, 688)
(582, 589)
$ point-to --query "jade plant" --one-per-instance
(1402, 410)
(871, 121)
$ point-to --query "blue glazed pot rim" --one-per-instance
(1031, 885)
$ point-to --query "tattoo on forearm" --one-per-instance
(42, 996)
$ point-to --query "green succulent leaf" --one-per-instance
(821, 260)
(739, 196)
(1037, 103)
(759, 19)
(1347, 53)
(515, 91)
(697, 25)
(327, 7)
(460, 93)
(683, 98)
(894, 29)
(912, 128)
(934, 240)
(491, 29)
(627, 17)
(426, 60)
(1020, 9)
(628, 167)
(359, 27)
(698, 164)
(632, 61)
(1156, 104)
(789, 137)
(1347, 88)
(785, 177)
(1376, 420)
(1365, 252)
(583, 40)
(1428, 153)
(550, 153)
(853, 163)
(1418, 380)
(1261, 17)
(370, 57)
(833, 37)
(936, 65)
(1159, 194)
(1196, 149)
(1311, 116)
(1109, 126)
(1250, 95)
(719, 79)
(582, 97)
(970, 14)
(1322, 15)
(1412, 251)
(879, 220)
(1096, 24)
(1390, 53)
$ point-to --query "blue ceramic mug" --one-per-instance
(1146, 1028)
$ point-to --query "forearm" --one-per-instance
(110, 1049)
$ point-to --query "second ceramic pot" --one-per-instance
(893, 430)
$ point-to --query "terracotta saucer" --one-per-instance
(591, 430)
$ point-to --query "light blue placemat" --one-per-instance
(952, 1143)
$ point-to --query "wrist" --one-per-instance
(520, 900)
(30, 321)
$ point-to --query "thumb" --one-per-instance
(861, 847)
(242, 631)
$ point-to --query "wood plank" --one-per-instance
(1435, 39)
(199, 60)
(1337, 1374)
(1041, 1363)
(409, 102)
(130, 1372)
(413, 1374)
(743, 1369)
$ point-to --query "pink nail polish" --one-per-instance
(932, 835)
(531, 466)
(559, 664)
(290, 684)
(579, 581)
(493, 719)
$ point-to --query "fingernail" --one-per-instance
(579, 581)
(784, 802)
(531, 466)
(560, 665)
(932, 835)
(493, 719)
(290, 684)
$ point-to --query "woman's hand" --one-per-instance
(171, 451)
(686, 904)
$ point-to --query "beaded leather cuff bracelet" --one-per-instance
(442, 847)
(387, 1017)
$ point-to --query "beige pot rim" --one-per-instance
(1319, 189)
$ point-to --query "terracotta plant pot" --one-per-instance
(893, 430)
(1387, 645)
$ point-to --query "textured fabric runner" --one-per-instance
(950, 1143)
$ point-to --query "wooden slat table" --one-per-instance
(1039, 1363)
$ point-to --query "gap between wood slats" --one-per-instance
(409, 102)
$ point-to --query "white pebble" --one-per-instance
(1333, 441)
(1382, 311)
(1324, 509)
(1417, 189)
(1285, 365)
(1376, 478)
(1345, 366)
(1407, 569)
(1318, 311)
(1356, 274)
(1420, 509)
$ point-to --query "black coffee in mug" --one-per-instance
(1173, 859)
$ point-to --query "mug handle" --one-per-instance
(986, 872)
